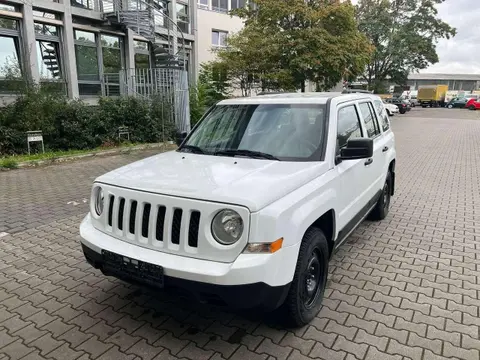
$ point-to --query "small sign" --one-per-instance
(35, 136)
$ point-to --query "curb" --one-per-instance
(115, 151)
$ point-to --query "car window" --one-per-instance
(380, 108)
(289, 132)
(348, 125)
(369, 119)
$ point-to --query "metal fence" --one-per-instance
(168, 87)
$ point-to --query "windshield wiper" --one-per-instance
(193, 149)
(249, 153)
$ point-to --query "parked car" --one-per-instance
(391, 109)
(473, 104)
(457, 103)
(249, 209)
(403, 105)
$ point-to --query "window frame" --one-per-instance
(99, 49)
(219, 37)
(16, 36)
(203, 6)
(359, 119)
(57, 39)
(219, 8)
(374, 118)
(236, 2)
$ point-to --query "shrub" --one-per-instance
(71, 124)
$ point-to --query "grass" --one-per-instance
(11, 162)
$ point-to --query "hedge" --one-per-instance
(72, 124)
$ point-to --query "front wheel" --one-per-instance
(380, 211)
(389, 113)
(305, 296)
(472, 107)
(450, 106)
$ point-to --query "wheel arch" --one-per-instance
(327, 224)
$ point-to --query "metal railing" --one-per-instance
(168, 87)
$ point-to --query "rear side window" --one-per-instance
(370, 120)
(348, 126)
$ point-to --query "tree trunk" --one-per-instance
(302, 86)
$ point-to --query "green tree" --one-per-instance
(291, 42)
(404, 34)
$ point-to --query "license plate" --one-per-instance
(132, 268)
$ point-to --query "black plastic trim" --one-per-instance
(255, 295)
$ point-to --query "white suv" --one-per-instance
(249, 209)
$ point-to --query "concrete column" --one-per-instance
(70, 63)
(30, 58)
(172, 11)
(194, 26)
(129, 61)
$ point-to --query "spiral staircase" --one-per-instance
(150, 19)
(167, 79)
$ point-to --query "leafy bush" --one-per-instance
(71, 124)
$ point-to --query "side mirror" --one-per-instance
(181, 137)
(360, 148)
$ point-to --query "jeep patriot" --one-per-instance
(251, 206)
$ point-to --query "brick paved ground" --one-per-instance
(405, 288)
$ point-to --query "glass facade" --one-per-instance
(39, 49)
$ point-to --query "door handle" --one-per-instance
(368, 161)
(385, 149)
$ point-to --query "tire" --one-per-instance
(380, 211)
(313, 258)
(403, 111)
(450, 106)
(472, 107)
(389, 113)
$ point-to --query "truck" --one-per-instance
(432, 95)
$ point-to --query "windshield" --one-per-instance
(291, 132)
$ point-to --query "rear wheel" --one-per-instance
(472, 107)
(450, 106)
(380, 211)
(305, 296)
(389, 113)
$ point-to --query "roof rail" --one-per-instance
(270, 93)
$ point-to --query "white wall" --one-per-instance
(207, 21)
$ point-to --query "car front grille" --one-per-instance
(164, 223)
(137, 219)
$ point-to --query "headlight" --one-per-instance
(99, 199)
(227, 227)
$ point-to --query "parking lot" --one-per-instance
(404, 288)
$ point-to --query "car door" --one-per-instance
(351, 190)
(375, 166)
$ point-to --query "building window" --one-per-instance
(88, 72)
(237, 4)
(10, 55)
(142, 55)
(83, 4)
(202, 4)
(7, 7)
(219, 38)
(220, 5)
(46, 15)
(48, 53)
(183, 21)
(112, 63)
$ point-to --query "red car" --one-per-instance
(473, 104)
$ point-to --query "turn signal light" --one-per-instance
(264, 248)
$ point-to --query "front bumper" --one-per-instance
(252, 280)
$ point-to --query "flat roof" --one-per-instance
(433, 76)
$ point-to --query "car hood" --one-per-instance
(253, 183)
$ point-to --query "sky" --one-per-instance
(460, 54)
